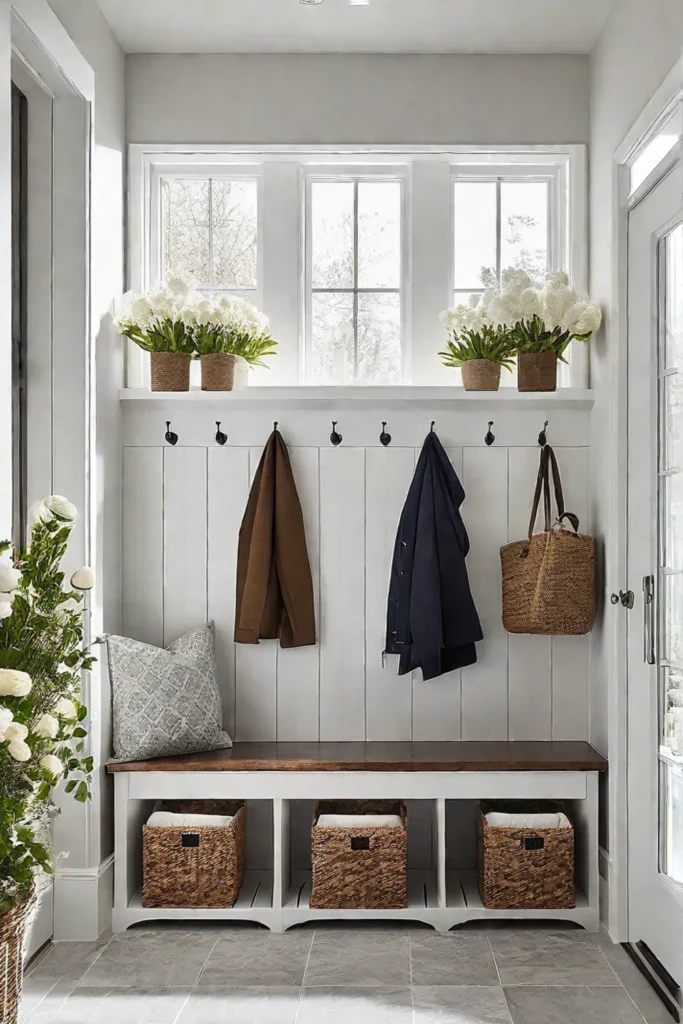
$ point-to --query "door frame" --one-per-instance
(660, 107)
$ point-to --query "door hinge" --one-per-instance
(625, 598)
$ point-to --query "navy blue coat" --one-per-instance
(432, 622)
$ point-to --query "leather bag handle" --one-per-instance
(548, 464)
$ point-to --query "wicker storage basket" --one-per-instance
(12, 931)
(522, 868)
(218, 371)
(360, 867)
(201, 866)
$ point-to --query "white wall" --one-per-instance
(638, 47)
(356, 98)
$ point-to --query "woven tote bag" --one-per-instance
(549, 578)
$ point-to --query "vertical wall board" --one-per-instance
(436, 704)
(228, 487)
(143, 544)
(298, 668)
(529, 657)
(256, 674)
(388, 697)
(570, 679)
(185, 554)
(341, 624)
(484, 685)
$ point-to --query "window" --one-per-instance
(353, 281)
(353, 254)
(656, 148)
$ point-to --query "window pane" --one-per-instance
(674, 298)
(672, 623)
(474, 221)
(655, 151)
(332, 333)
(379, 339)
(332, 234)
(524, 227)
(672, 540)
(185, 228)
(672, 422)
(379, 234)
(234, 240)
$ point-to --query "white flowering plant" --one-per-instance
(543, 319)
(231, 325)
(162, 320)
(41, 717)
(473, 335)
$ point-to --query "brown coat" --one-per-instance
(274, 586)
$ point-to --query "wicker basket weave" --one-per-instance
(12, 931)
(169, 371)
(537, 371)
(481, 375)
(522, 868)
(218, 371)
(360, 867)
(200, 866)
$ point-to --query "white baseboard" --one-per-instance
(83, 901)
(604, 861)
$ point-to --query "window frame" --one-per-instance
(427, 270)
(356, 174)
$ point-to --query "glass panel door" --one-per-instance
(670, 647)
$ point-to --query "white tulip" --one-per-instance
(52, 764)
(39, 513)
(83, 578)
(16, 731)
(47, 727)
(10, 578)
(14, 683)
(66, 708)
(6, 719)
(19, 750)
(5, 608)
(61, 508)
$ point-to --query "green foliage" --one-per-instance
(44, 638)
(533, 336)
(213, 338)
(488, 342)
(162, 335)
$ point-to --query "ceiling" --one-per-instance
(384, 26)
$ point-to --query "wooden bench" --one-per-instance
(434, 772)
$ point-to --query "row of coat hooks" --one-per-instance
(336, 438)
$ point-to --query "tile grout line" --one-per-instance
(303, 979)
(500, 980)
(193, 988)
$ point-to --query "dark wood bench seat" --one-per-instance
(460, 756)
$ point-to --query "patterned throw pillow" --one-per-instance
(165, 701)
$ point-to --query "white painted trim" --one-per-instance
(50, 35)
(656, 111)
(91, 892)
(81, 874)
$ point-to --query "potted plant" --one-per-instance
(542, 323)
(479, 347)
(227, 329)
(161, 322)
(41, 730)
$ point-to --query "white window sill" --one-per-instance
(364, 398)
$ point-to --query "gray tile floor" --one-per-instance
(375, 975)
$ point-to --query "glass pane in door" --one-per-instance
(670, 587)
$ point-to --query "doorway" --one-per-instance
(655, 574)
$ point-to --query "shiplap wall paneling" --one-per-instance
(298, 668)
(530, 657)
(570, 678)
(388, 696)
(228, 488)
(143, 544)
(341, 624)
(484, 685)
(436, 703)
(256, 674)
(185, 551)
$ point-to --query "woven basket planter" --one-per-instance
(194, 867)
(218, 371)
(481, 375)
(521, 868)
(537, 371)
(12, 931)
(360, 867)
(170, 371)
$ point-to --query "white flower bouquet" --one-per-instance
(163, 320)
(41, 660)
(228, 325)
(474, 335)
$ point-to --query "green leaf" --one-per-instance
(70, 786)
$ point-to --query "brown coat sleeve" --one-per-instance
(291, 556)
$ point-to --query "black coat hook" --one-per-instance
(384, 438)
(431, 426)
(489, 437)
(221, 437)
(275, 422)
(335, 437)
(543, 437)
(170, 436)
